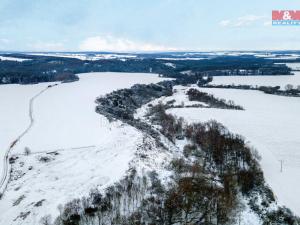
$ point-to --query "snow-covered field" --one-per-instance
(293, 66)
(7, 58)
(65, 115)
(278, 56)
(91, 151)
(14, 112)
(187, 58)
(270, 123)
(172, 65)
(85, 56)
(281, 81)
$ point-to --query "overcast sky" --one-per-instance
(144, 25)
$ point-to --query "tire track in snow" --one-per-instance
(6, 165)
(59, 150)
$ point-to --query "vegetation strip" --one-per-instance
(217, 170)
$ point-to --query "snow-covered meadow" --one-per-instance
(270, 123)
(281, 80)
(65, 114)
(14, 111)
(91, 151)
(86, 56)
(7, 58)
(293, 66)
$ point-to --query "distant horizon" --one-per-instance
(148, 52)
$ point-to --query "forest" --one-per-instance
(51, 68)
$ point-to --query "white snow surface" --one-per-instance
(181, 58)
(7, 58)
(85, 56)
(14, 111)
(278, 56)
(280, 80)
(92, 151)
(293, 66)
(270, 123)
(65, 115)
(172, 65)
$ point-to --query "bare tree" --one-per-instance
(46, 220)
(27, 151)
(288, 87)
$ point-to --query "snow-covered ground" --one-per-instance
(187, 58)
(70, 174)
(91, 151)
(14, 111)
(65, 113)
(172, 65)
(267, 55)
(6, 58)
(270, 123)
(293, 66)
(281, 81)
(86, 56)
(277, 56)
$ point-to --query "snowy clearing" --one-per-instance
(6, 58)
(172, 65)
(281, 80)
(293, 66)
(85, 56)
(187, 58)
(278, 56)
(270, 123)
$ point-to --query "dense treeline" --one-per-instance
(196, 95)
(274, 90)
(171, 127)
(122, 103)
(46, 68)
(50, 68)
(229, 65)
